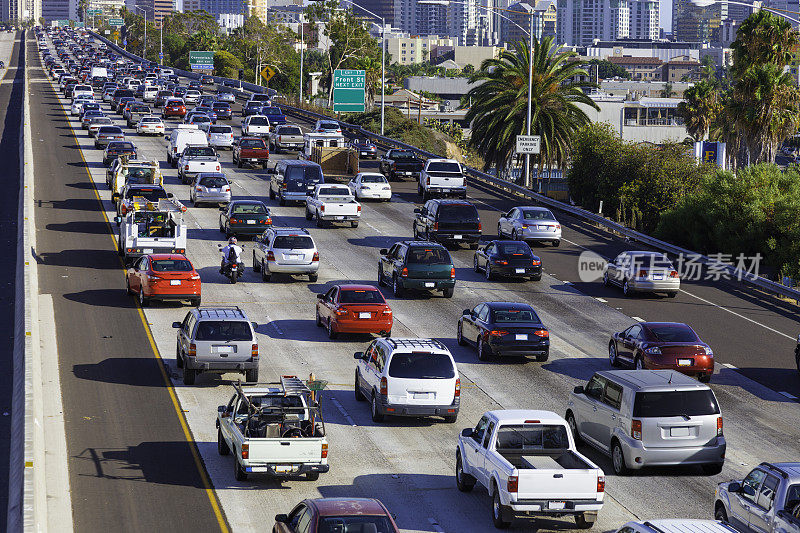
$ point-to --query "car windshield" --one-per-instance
(514, 248)
(290, 131)
(223, 330)
(421, 365)
(675, 403)
(293, 242)
(199, 151)
(359, 296)
(213, 181)
(200, 118)
(672, 333)
(444, 166)
(220, 129)
(429, 256)
(111, 130)
(304, 173)
(334, 191)
(253, 143)
(249, 209)
(529, 437)
(259, 121)
(151, 195)
(458, 213)
(171, 265)
(373, 178)
(345, 524)
(271, 111)
(507, 316)
(537, 214)
(120, 146)
(328, 126)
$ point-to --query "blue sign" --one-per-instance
(161, 55)
(709, 154)
(125, 42)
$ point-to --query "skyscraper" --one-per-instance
(580, 22)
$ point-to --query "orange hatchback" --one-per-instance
(164, 277)
(354, 309)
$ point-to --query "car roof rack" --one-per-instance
(770, 466)
(416, 343)
(220, 312)
(293, 230)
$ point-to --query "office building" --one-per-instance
(411, 50)
(644, 20)
(431, 19)
(517, 25)
(156, 9)
(699, 24)
(663, 50)
(383, 8)
(580, 22)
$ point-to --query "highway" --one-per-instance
(121, 428)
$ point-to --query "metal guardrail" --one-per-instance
(506, 186)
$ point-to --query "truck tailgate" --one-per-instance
(285, 451)
(334, 208)
(554, 484)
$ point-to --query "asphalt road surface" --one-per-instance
(408, 464)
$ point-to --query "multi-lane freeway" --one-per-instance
(142, 450)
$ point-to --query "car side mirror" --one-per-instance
(384, 251)
(170, 195)
(271, 170)
(466, 312)
(282, 518)
(118, 220)
(578, 389)
(166, 137)
(466, 432)
(734, 487)
(176, 325)
(358, 355)
(320, 296)
(418, 211)
(222, 208)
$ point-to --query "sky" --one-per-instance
(665, 14)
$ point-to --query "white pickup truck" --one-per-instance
(151, 227)
(333, 203)
(528, 462)
(197, 159)
(442, 178)
(273, 429)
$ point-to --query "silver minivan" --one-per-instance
(648, 418)
(218, 340)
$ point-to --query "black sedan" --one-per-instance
(223, 110)
(364, 148)
(252, 108)
(207, 80)
(244, 217)
(504, 328)
(507, 258)
(116, 149)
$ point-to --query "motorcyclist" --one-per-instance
(231, 254)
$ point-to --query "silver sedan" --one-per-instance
(211, 188)
(641, 271)
(529, 223)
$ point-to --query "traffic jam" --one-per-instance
(284, 268)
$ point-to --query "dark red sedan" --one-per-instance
(662, 346)
(354, 309)
(336, 515)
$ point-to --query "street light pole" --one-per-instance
(528, 180)
(144, 48)
(302, 47)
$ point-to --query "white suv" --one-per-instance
(285, 251)
(408, 377)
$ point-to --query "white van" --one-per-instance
(150, 93)
(182, 135)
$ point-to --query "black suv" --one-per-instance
(448, 221)
(419, 265)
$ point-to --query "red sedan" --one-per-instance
(174, 108)
(329, 515)
(662, 346)
(164, 277)
(354, 309)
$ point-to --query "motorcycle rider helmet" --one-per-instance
(232, 240)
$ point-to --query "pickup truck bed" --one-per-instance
(526, 461)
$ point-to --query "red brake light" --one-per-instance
(245, 451)
(542, 333)
(270, 256)
(316, 256)
(536, 262)
(384, 386)
(268, 221)
(500, 262)
(497, 333)
(254, 351)
(641, 274)
(404, 273)
(452, 273)
(458, 388)
(324, 450)
(480, 226)
(673, 274)
(636, 429)
(359, 208)
(513, 484)
(601, 483)
(719, 427)
(192, 350)
(233, 220)
(435, 226)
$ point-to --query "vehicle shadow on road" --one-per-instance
(135, 371)
(95, 259)
(360, 415)
(751, 378)
(97, 228)
(376, 241)
(469, 355)
(580, 368)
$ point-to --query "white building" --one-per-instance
(580, 22)
(411, 50)
(644, 19)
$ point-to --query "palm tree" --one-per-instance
(499, 104)
(667, 91)
(700, 107)
(763, 38)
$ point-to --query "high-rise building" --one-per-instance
(156, 9)
(518, 23)
(57, 9)
(381, 8)
(697, 24)
(644, 20)
(579, 22)
(463, 22)
(431, 19)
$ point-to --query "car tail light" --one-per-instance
(322, 208)
(384, 386)
(270, 256)
(267, 221)
(316, 256)
(324, 454)
(341, 312)
(536, 262)
(194, 277)
(480, 226)
(359, 208)
(233, 220)
(673, 274)
(217, 168)
(404, 273)
(283, 185)
(198, 189)
(457, 392)
(428, 180)
(543, 333)
(452, 273)
(226, 188)
(641, 274)
(435, 226)
(245, 451)
(653, 350)
(151, 277)
(513, 484)
(636, 429)
(719, 427)
(500, 262)
(601, 483)
(498, 333)
(387, 311)
(192, 350)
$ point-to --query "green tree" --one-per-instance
(700, 108)
(606, 69)
(226, 64)
(499, 104)
(667, 91)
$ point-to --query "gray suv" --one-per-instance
(648, 418)
(216, 339)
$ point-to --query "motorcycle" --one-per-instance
(232, 271)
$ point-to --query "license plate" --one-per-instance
(174, 282)
(224, 349)
(364, 153)
(684, 362)
(251, 221)
(521, 337)
(658, 276)
(430, 284)
(421, 395)
(679, 432)
(520, 271)
(457, 237)
(555, 505)
(546, 228)
(340, 218)
(283, 468)
(364, 315)
(445, 190)
(147, 251)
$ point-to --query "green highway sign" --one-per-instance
(116, 22)
(201, 60)
(79, 24)
(91, 12)
(349, 90)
